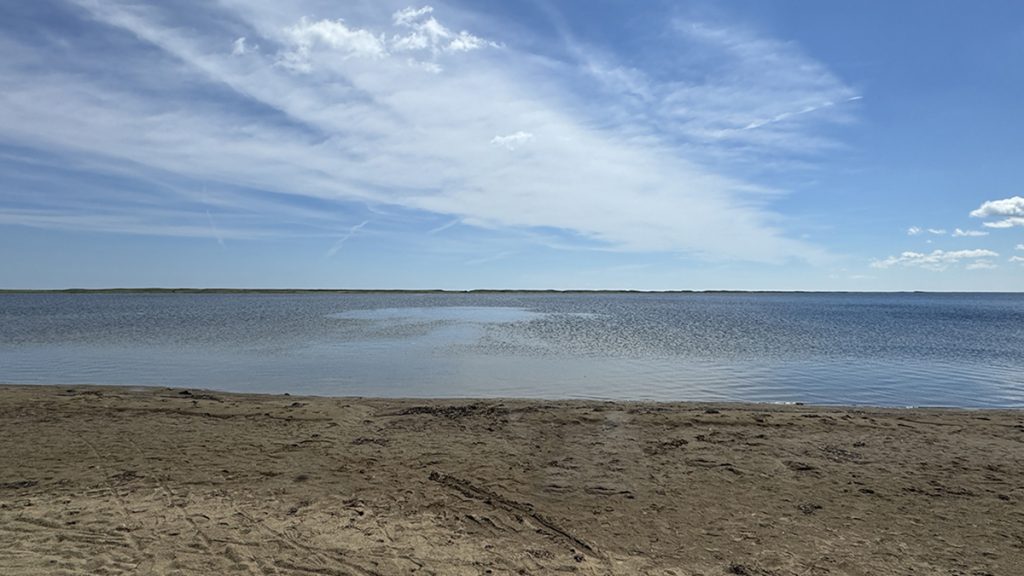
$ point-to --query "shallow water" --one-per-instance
(892, 349)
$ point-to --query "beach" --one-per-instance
(106, 480)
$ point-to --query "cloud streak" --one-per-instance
(402, 110)
(937, 260)
(958, 233)
(1005, 223)
(213, 229)
(336, 247)
(443, 227)
(512, 141)
(916, 231)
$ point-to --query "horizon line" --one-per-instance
(194, 290)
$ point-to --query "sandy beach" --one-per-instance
(168, 481)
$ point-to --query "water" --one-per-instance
(891, 350)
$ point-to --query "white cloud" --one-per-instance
(1010, 209)
(1019, 247)
(1005, 223)
(464, 42)
(1006, 207)
(409, 16)
(982, 265)
(426, 33)
(307, 39)
(915, 231)
(1016, 259)
(958, 233)
(936, 260)
(362, 127)
(238, 47)
(334, 35)
(512, 141)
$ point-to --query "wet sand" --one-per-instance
(161, 481)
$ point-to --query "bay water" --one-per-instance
(962, 350)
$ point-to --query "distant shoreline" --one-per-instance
(443, 291)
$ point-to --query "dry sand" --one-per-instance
(160, 481)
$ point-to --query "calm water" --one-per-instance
(896, 350)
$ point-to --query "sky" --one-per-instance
(748, 145)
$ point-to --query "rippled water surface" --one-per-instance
(893, 349)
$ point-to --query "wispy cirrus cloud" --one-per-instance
(443, 227)
(737, 95)
(336, 247)
(401, 109)
(181, 224)
(958, 233)
(512, 141)
(915, 231)
(1005, 223)
(489, 258)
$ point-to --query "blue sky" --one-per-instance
(657, 145)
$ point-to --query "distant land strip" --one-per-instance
(437, 291)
